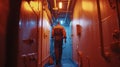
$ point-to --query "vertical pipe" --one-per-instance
(100, 29)
(118, 13)
(41, 31)
(37, 38)
(55, 4)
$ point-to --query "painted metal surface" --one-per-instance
(89, 42)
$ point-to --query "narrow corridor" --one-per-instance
(92, 26)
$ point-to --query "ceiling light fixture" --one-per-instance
(60, 5)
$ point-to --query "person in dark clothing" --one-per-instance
(58, 34)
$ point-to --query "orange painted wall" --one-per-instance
(28, 29)
(86, 15)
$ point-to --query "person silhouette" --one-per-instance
(58, 34)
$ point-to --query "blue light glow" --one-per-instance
(61, 22)
(20, 23)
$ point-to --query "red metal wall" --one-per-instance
(86, 15)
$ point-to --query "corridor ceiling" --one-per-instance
(67, 8)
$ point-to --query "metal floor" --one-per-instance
(65, 63)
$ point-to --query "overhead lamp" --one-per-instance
(60, 5)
